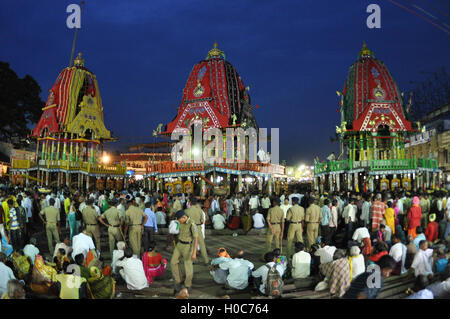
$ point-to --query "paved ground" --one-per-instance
(203, 284)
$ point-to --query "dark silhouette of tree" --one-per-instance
(20, 105)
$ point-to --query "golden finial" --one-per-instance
(215, 52)
(79, 61)
(365, 51)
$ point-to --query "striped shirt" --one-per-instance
(13, 218)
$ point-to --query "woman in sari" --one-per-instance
(154, 263)
(414, 216)
(43, 277)
(101, 286)
(7, 249)
(389, 215)
(73, 220)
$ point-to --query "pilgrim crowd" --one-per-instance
(336, 241)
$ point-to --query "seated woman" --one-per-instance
(380, 250)
(7, 249)
(100, 286)
(153, 262)
(59, 259)
(234, 222)
(43, 277)
(22, 265)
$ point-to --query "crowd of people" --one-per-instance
(334, 241)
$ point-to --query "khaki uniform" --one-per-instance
(196, 214)
(183, 250)
(275, 216)
(295, 215)
(113, 216)
(92, 229)
(177, 206)
(313, 215)
(52, 217)
(133, 217)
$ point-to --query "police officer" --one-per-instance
(115, 221)
(90, 218)
(52, 228)
(185, 249)
(196, 214)
(133, 219)
(313, 218)
(296, 216)
(275, 223)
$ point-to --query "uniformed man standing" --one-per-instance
(296, 217)
(177, 204)
(275, 223)
(90, 219)
(185, 249)
(196, 214)
(51, 222)
(313, 218)
(134, 221)
(115, 221)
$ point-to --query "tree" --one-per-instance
(20, 105)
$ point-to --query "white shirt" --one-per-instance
(326, 254)
(350, 213)
(237, 204)
(387, 233)
(265, 203)
(422, 262)
(360, 234)
(254, 202)
(238, 272)
(27, 204)
(398, 252)
(218, 221)
(97, 209)
(263, 271)
(301, 265)
(160, 218)
(334, 217)
(6, 274)
(31, 251)
(358, 266)
(117, 254)
(82, 206)
(68, 249)
(215, 207)
(81, 244)
(133, 273)
(258, 221)
(285, 208)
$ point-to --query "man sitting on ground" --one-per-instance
(260, 275)
(398, 252)
(258, 220)
(218, 221)
(132, 270)
(239, 270)
(301, 262)
(363, 288)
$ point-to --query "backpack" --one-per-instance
(274, 284)
(174, 227)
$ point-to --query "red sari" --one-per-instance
(151, 272)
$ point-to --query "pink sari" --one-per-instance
(151, 272)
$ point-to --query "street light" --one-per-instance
(105, 158)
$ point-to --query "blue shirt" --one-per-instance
(418, 239)
(151, 221)
(326, 215)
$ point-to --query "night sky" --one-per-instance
(294, 55)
